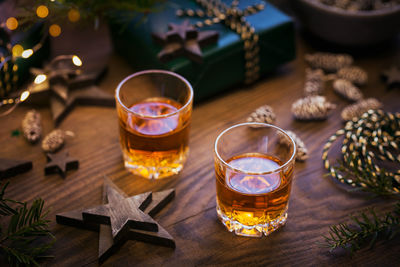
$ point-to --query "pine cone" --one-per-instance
(314, 84)
(53, 141)
(357, 109)
(263, 114)
(31, 126)
(311, 108)
(302, 152)
(328, 62)
(347, 90)
(353, 74)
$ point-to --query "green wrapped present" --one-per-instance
(253, 40)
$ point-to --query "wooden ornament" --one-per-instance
(60, 163)
(392, 77)
(12, 167)
(107, 244)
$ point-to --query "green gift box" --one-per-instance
(223, 64)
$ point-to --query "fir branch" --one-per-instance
(22, 243)
(366, 228)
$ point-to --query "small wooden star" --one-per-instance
(149, 203)
(392, 77)
(184, 40)
(12, 167)
(60, 163)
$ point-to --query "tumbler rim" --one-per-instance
(258, 125)
(145, 72)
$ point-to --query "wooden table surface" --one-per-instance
(316, 201)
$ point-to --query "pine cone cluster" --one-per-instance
(353, 74)
(302, 152)
(357, 109)
(347, 90)
(263, 114)
(312, 108)
(53, 141)
(32, 126)
(328, 62)
(314, 84)
(361, 5)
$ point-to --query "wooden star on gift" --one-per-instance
(65, 86)
(392, 77)
(142, 206)
(184, 40)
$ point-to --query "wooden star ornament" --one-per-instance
(106, 219)
(392, 77)
(60, 163)
(12, 167)
(184, 40)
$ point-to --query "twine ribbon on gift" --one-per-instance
(218, 12)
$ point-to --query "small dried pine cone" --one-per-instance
(263, 114)
(314, 84)
(357, 109)
(347, 90)
(312, 108)
(53, 141)
(302, 152)
(353, 74)
(31, 126)
(328, 62)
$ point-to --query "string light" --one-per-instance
(55, 30)
(42, 11)
(12, 23)
(17, 50)
(24, 96)
(40, 79)
(74, 15)
(77, 61)
(27, 53)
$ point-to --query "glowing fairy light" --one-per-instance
(77, 61)
(24, 96)
(74, 15)
(17, 50)
(12, 23)
(40, 78)
(55, 30)
(42, 11)
(27, 53)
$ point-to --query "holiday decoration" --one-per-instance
(184, 40)
(361, 5)
(392, 77)
(66, 86)
(357, 109)
(109, 218)
(353, 74)
(12, 167)
(301, 150)
(53, 141)
(370, 138)
(27, 236)
(264, 45)
(60, 163)
(312, 108)
(328, 62)
(347, 90)
(314, 84)
(263, 114)
(32, 126)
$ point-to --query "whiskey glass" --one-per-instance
(154, 113)
(254, 165)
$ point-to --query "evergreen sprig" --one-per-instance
(21, 243)
(366, 228)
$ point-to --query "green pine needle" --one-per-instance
(27, 237)
(365, 230)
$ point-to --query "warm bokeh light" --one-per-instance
(12, 23)
(27, 53)
(24, 96)
(74, 15)
(77, 61)
(40, 78)
(17, 50)
(42, 11)
(55, 30)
